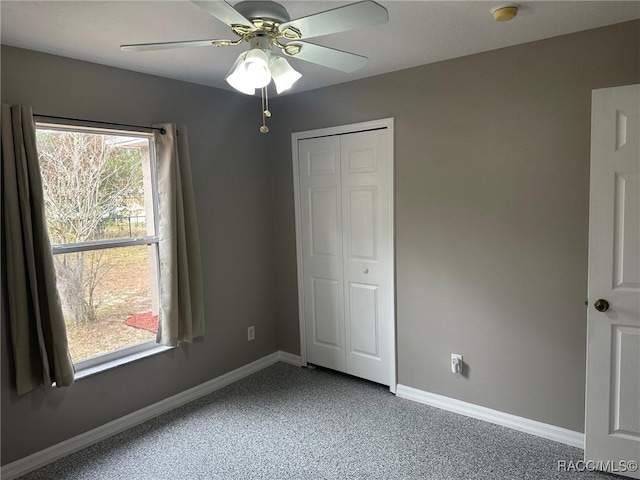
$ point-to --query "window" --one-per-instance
(100, 202)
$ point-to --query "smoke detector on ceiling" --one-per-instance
(502, 14)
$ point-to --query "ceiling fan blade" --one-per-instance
(325, 56)
(144, 47)
(341, 19)
(223, 12)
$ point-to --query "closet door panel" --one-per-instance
(366, 218)
(322, 250)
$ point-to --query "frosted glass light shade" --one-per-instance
(284, 76)
(256, 68)
(250, 71)
(238, 79)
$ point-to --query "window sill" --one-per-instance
(88, 371)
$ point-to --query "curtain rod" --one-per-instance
(161, 130)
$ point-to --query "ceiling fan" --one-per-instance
(267, 27)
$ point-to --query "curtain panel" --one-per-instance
(38, 333)
(181, 316)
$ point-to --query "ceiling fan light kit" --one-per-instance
(257, 67)
(265, 24)
(253, 69)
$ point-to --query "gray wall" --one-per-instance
(232, 190)
(492, 185)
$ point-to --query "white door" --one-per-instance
(347, 265)
(323, 277)
(366, 220)
(612, 429)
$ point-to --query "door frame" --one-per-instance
(383, 123)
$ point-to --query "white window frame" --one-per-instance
(115, 358)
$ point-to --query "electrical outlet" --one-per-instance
(456, 363)
(251, 333)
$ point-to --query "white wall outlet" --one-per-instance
(251, 333)
(456, 363)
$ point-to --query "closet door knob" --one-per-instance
(365, 270)
(601, 305)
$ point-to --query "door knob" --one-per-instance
(601, 305)
(365, 270)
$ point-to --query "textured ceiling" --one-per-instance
(418, 32)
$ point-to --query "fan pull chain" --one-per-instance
(265, 110)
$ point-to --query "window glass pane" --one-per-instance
(109, 298)
(96, 186)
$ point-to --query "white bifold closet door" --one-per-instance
(346, 220)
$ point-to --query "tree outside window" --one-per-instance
(99, 197)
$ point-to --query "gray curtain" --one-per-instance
(38, 332)
(181, 306)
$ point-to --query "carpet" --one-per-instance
(287, 422)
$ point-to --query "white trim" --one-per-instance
(387, 123)
(290, 358)
(342, 129)
(62, 449)
(533, 427)
(95, 365)
(298, 215)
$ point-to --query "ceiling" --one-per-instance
(418, 33)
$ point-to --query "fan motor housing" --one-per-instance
(252, 9)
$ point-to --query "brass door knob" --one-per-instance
(601, 305)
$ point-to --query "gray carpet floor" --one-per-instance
(286, 422)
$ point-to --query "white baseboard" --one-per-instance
(62, 449)
(551, 432)
(290, 358)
